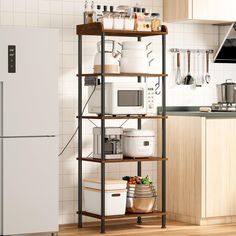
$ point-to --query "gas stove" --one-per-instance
(224, 107)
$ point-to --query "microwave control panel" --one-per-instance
(151, 100)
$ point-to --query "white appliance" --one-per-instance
(139, 143)
(28, 130)
(113, 143)
(124, 99)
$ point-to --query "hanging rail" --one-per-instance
(175, 50)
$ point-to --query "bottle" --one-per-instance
(155, 22)
(111, 9)
(105, 10)
(99, 12)
(89, 14)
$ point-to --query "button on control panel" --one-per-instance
(11, 59)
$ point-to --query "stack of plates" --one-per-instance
(141, 198)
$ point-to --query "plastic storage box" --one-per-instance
(115, 196)
(115, 201)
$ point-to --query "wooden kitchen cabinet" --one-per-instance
(201, 176)
(200, 11)
(220, 167)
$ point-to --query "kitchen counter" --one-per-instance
(201, 180)
(194, 111)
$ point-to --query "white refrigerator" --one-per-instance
(28, 130)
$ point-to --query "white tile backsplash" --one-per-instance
(64, 15)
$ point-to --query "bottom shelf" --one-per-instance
(127, 215)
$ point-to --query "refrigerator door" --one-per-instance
(30, 185)
(30, 91)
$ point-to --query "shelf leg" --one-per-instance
(139, 165)
(164, 131)
(80, 101)
(103, 167)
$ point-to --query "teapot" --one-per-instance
(112, 64)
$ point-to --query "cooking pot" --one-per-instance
(112, 64)
(135, 65)
(135, 45)
(135, 53)
(226, 92)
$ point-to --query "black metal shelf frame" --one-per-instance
(139, 124)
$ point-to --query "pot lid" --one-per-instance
(229, 82)
(138, 133)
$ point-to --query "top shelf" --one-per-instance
(97, 29)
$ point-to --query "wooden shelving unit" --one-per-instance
(123, 160)
(96, 29)
(124, 75)
(127, 215)
(123, 117)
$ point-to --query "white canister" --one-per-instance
(139, 143)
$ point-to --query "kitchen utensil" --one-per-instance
(188, 80)
(112, 64)
(139, 143)
(178, 78)
(207, 76)
(135, 45)
(199, 76)
(226, 92)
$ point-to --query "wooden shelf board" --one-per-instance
(127, 215)
(123, 117)
(124, 75)
(126, 159)
(97, 29)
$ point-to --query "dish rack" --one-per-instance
(96, 29)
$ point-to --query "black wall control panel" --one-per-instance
(11, 59)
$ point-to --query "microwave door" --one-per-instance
(130, 98)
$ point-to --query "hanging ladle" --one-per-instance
(207, 76)
(188, 80)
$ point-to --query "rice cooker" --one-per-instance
(139, 143)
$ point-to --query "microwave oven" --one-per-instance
(124, 99)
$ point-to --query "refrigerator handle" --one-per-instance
(1, 109)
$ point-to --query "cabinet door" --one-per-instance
(177, 10)
(220, 167)
(214, 10)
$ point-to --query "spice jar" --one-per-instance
(155, 22)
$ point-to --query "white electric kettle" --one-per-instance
(112, 64)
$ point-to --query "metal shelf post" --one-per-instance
(103, 167)
(164, 131)
(80, 123)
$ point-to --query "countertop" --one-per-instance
(194, 111)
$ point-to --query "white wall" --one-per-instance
(64, 15)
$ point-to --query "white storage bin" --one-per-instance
(115, 201)
(111, 184)
(139, 143)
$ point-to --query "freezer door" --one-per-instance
(30, 93)
(30, 185)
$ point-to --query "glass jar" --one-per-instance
(119, 21)
(155, 22)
